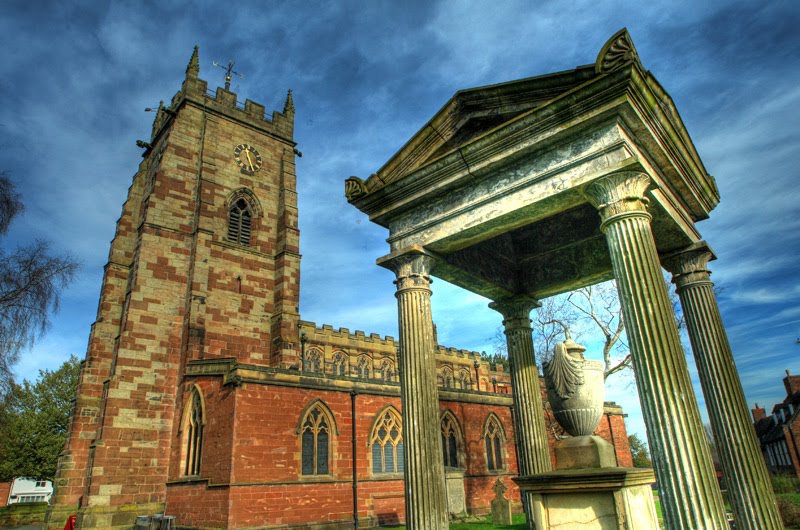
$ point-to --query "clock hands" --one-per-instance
(252, 166)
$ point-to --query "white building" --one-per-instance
(30, 490)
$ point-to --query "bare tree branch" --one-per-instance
(31, 281)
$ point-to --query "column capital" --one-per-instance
(412, 266)
(689, 266)
(516, 310)
(619, 194)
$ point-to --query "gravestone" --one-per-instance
(501, 507)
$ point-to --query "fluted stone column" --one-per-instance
(425, 487)
(749, 488)
(531, 434)
(529, 430)
(688, 487)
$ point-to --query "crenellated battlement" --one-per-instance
(223, 101)
(326, 330)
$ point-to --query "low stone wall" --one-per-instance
(22, 514)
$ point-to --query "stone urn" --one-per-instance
(575, 388)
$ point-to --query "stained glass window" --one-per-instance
(494, 440)
(387, 444)
(315, 435)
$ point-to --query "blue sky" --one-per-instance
(366, 76)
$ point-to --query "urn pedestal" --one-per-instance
(587, 490)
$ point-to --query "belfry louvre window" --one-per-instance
(315, 435)
(494, 438)
(387, 443)
(193, 433)
(240, 221)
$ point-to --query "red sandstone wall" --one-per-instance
(5, 489)
(266, 488)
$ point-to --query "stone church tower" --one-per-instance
(204, 264)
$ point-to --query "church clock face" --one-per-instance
(247, 158)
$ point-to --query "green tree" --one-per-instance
(31, 280)
(34, 418)
(641, 456)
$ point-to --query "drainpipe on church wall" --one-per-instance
(353, 395)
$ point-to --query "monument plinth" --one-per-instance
(587, 490)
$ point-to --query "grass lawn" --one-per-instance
(518, 521)
(486, 524)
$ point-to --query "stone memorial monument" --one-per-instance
(527, 189)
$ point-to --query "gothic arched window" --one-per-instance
(386, 442)
(451, 440)
(494, 437)
(312, 361)
(315, 435)
(363, 368)
(447, 377)
(240, 222)
(340, 363)
(464, 380)
(193, 424)
(387, 370)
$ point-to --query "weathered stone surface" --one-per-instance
(456, 496)
(596, 499)
(749, 486)
(501, 507)
(674, 429)
(575, 388)
(581, 452)
(426, 492)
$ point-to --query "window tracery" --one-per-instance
(240, 222)
(340, 363)
(451, 440)
(312, 361)
(386, 443)
(494, 439)
(364, 365)
(315, 433)
(387, 370)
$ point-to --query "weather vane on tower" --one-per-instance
(228, 72)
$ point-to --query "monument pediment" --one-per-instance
(501, 166)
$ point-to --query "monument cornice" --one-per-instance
(630, 95)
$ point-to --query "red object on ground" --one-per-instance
(70, 523)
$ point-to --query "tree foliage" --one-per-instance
(591, 314)
(31, 281)
(641, 456)
(34, 418)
